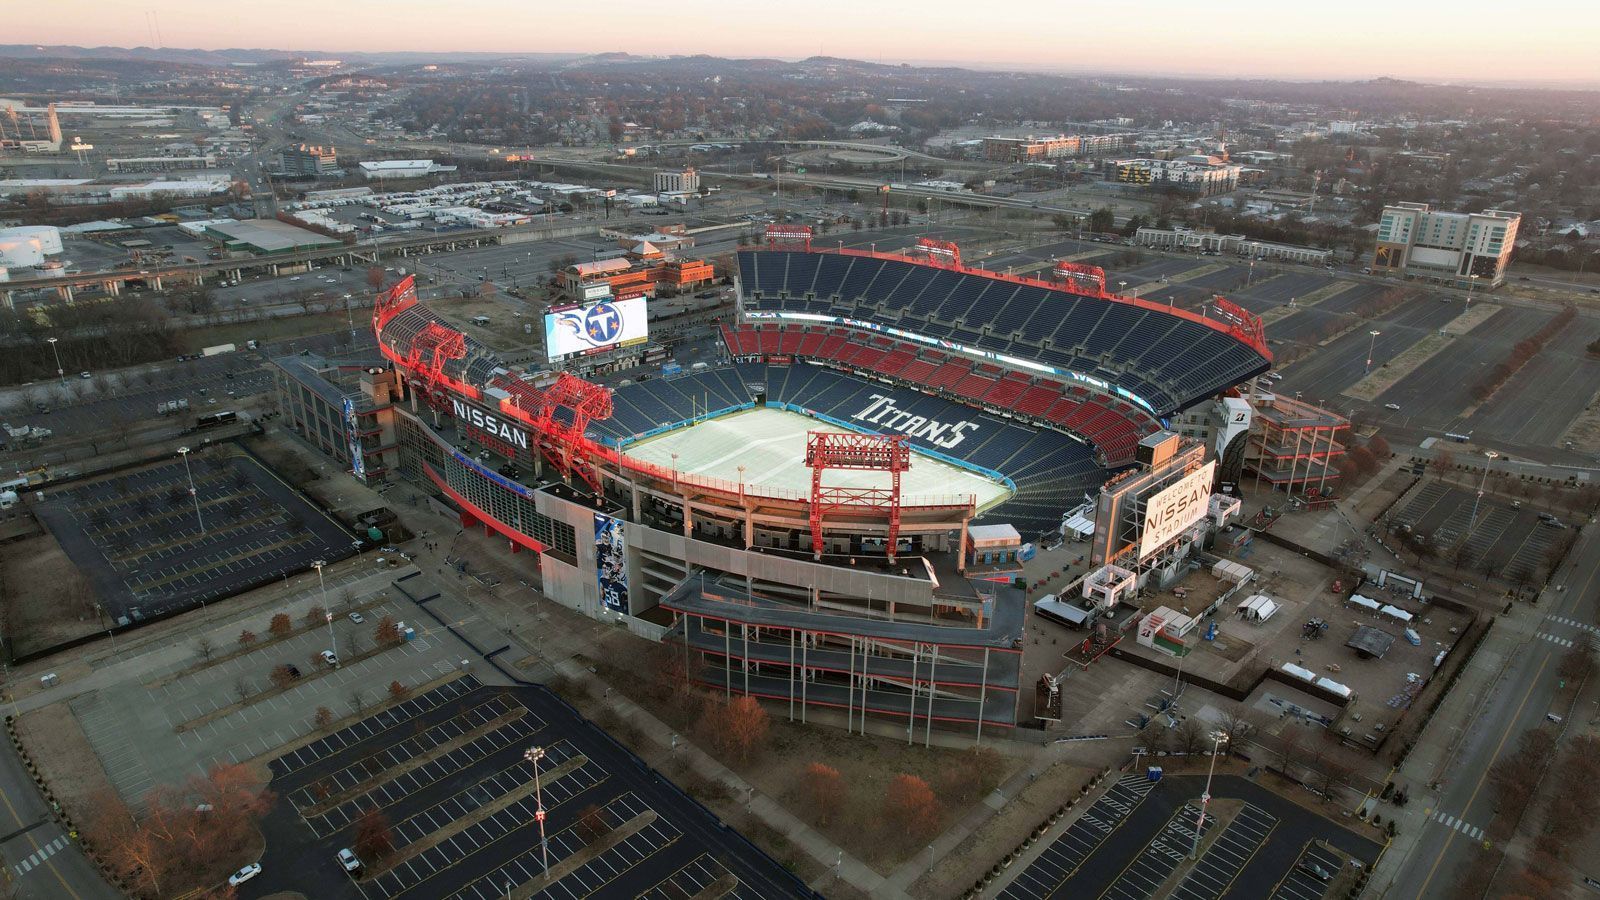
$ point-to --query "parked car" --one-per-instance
(349, 860)
(1393, 406)
(330, 659)
(244, 874)
(357, 618)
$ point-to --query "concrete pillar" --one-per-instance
(66, 292)
(114, 287)
(273, 269)
(158, 282)
(5, 297)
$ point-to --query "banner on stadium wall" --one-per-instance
(611, 562)
(358, 462)
(1175, 508)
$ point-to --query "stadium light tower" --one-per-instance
(1122, 288)
(1371, 345)
(193, 495)
(1493, 455)
(60, 372)
(533, 755)
(1217, 737)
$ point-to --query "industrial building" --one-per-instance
(265, 236)
(307, 160)
(402, 168)
(343, 408)
(161, 163)
(1463, 249)
(640, 273)
(1199, 175)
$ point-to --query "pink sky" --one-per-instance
(1531, 40)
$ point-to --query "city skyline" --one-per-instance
(1380, 40)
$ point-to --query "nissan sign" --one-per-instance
(493, 425)
(1175, 508)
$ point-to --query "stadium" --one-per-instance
(830, 514)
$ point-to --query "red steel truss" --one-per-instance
(394, 301)
(563, 433)
(1244, 322)
(1090, 280)
(940, 253)
(848, 450)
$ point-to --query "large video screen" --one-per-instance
(598, 326)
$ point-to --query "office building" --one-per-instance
(1062, 146)
(1196, 174)
(685, 182)
(1455, 248)
(309, 160)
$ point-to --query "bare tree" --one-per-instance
(242, 688)
(204, 648)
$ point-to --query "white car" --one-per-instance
(294, 277)
(244, 874)
(330, 659)
(1393, 406)
(357, 618)
(349, 860)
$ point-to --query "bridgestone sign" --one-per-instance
(1175, 508)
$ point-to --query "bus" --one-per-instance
(211, 420)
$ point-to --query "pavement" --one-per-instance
(1507, 689)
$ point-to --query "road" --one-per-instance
(43, 862)
(1525, 693)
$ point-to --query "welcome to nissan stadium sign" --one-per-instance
(1175, 508)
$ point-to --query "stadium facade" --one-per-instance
(850, 595)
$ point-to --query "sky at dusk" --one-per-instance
(1531, 40)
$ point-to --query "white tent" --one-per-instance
(1258, 607)
(1329, 684)
(1301, 673)
(1395, 612)
(1364, 602)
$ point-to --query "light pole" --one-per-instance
(1371, 345)
(1122, 288)
(60, 372)
(1217, 737)
(1493, 455)
(533, 755)
(193, 495)
(1472, 282)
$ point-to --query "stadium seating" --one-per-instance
(1051, 470)
(1114, 427)
(1170, 361)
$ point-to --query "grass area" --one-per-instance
(67, 763)
(1387, 375)
(45, 600)
(867, 764)
(277, 328)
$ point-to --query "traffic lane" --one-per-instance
(26, 821)
(1440, 846)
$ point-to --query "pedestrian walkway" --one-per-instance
(1574, 623)
(40, 855)
(1449, 821)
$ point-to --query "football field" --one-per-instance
(771, 445)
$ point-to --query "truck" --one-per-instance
(168, 407)
(217, 350)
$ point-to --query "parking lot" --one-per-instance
(1504, 539)
(1254, 856)
(150, 552)
(1300, 883)
(133, 727)
(447, 772)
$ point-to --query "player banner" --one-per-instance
(611, 562)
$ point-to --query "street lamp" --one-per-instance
(1493, 455)
(323, 588)
(1371, 344)
(533, 755)
(1217, 737)
(193, 495)
(1122, 288)
(1472, 282)
(60, 372)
